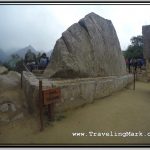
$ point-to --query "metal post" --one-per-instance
(134, 80)
(41, 105)
(21, 78)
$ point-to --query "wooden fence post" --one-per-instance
(51, 111)
(41, 105)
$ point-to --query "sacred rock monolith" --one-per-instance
(89, 48)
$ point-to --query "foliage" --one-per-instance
(15, 63)
(11, 63)
(6, 64)
(135, 50)
(14, 59)
(19, 66)
(137, 41)
(30, 56)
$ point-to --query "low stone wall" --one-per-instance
(74, 92)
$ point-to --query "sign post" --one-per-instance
(47, 98)
(134, 79)
(21, 78)
(41, 105)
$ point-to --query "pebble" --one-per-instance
(4, 107)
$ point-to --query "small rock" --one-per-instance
(4, 107)
(71, 98)
(4, 119)
(12, 107)
(19, 116)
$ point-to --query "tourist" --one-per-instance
(140, 64)
(43, 61)
(129, 65)
(135, 64)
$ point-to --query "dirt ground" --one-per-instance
(124, 111)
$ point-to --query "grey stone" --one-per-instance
(17, 117)
(3, 70)
(89, 48)
(13, 107)
(74, 92)
(4, 107)
(103, 88)
(87, 91)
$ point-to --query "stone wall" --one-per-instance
(146, 50)
(146, 39)
(74, 92)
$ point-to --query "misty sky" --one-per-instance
(41, 25)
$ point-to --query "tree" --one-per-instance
(30, 57)
(137, 41)
(135, 50)
(15, 56)
(14, 63)
(11, 63)
(19, 66)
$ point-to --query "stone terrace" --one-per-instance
(74, 92)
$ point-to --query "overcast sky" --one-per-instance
(41, 25)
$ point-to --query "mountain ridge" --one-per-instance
(21, 52)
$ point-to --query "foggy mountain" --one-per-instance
(6, 56)
(23, 51)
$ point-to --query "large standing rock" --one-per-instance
(89, 48)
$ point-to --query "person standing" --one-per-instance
(129, 65)
(43, 61)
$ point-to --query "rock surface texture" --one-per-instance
(89, 48)
(74, 92)
(146, 50)
(3, 70)
(12, 100)
(146, 38)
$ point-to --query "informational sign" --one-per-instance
(51, 95)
